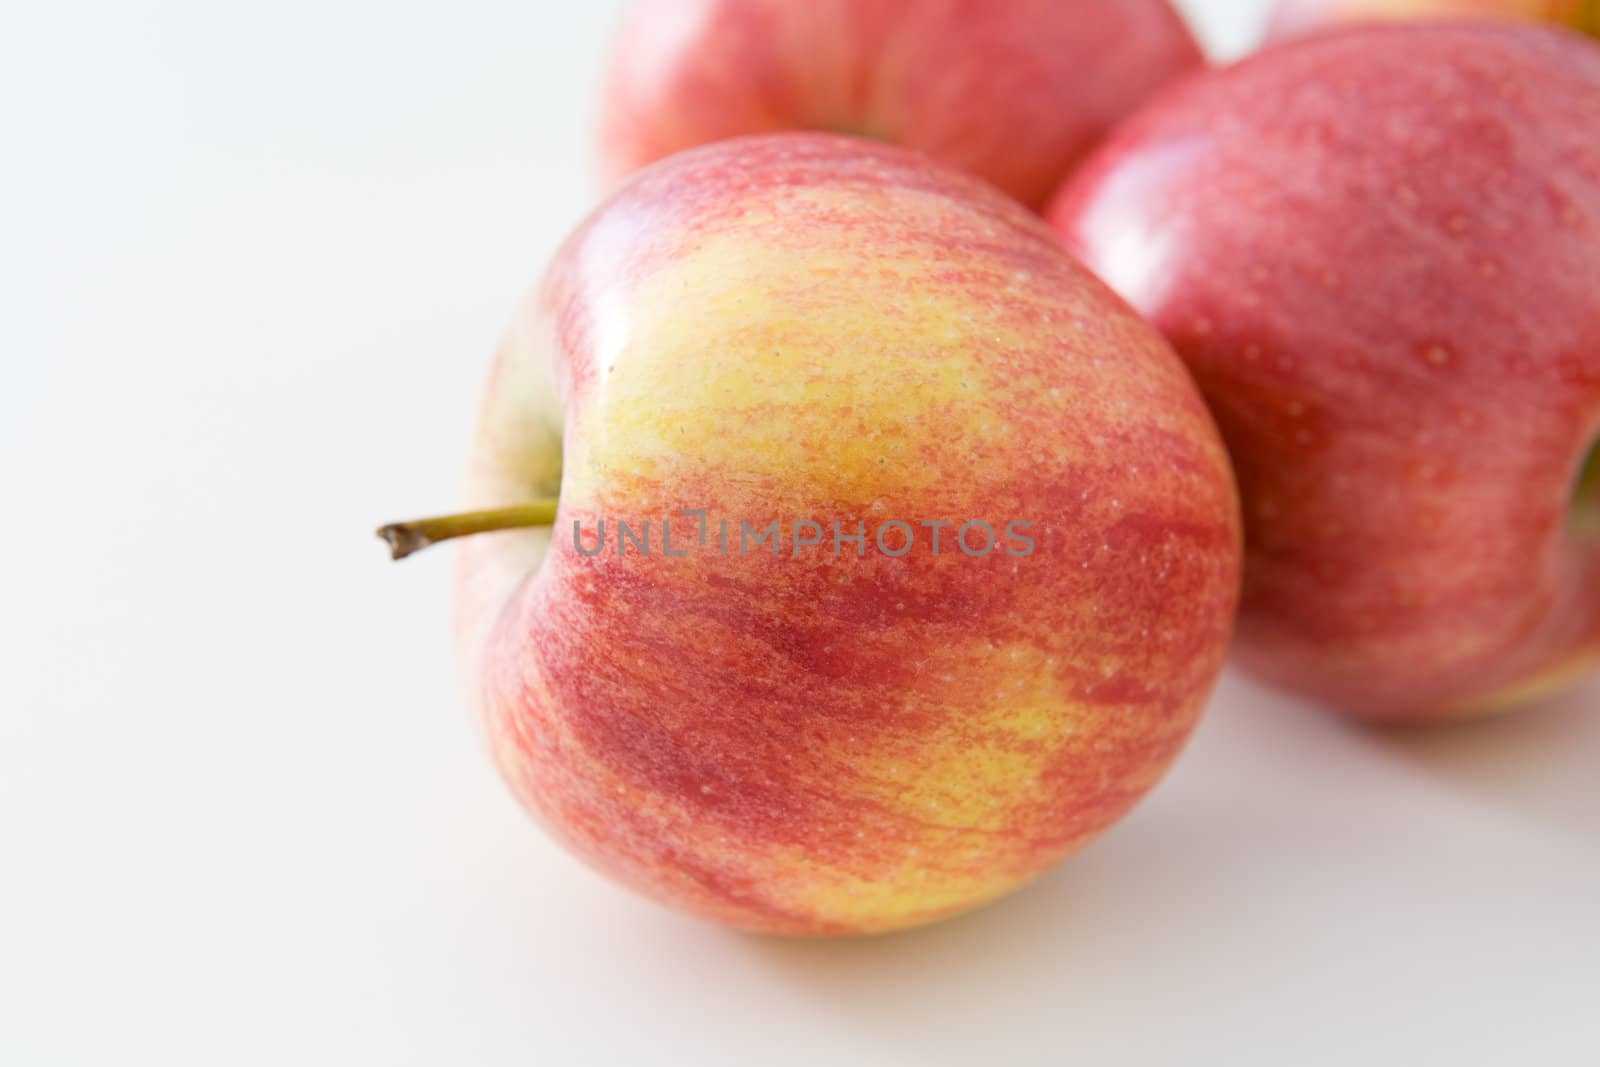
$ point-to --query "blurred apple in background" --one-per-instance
(809, 328)
(1379, 251)
(1297, 16)
(1014, 91)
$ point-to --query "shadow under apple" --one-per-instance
(1542, 760)
(1284, 840)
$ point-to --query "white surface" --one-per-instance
(255, 257)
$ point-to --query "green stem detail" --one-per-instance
(404, 538)
(1589, 17)
(1586, 497)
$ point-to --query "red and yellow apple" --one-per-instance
(1297, 16)
(1378, 249)
(838, 336)
(1014, 91)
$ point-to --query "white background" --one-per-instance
(254, 259)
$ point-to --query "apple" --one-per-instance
(1296, 16)
(752, 351)
(1378, 249)
(1014, 91)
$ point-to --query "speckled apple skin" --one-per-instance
(812, 327)
(1014, 91)
(1379, 251)
(1298, 16)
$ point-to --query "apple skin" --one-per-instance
(1014, 91)
(805, 326)
(1292, 17)
(1377, 249)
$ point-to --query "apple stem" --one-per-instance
(1589, 17)
(1584, 509)
(404, 538)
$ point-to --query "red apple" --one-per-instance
(1296, 16)
(1379, 251)
(814, 736)
(1014, 91)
